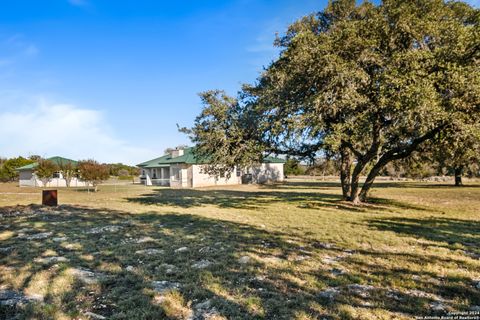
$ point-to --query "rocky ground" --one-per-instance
(294, 256)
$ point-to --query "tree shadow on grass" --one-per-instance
(445, 232)
(315, 184)
(105, 242)
(433, 185)
(406, 289)
(240, 199)
(279, 276)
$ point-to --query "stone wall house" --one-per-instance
(181, 169)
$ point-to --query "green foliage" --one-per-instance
(224, 134)
(69, 171)
(459, 150)
(323, 167)
(126, 178)
(293, 167)
(93, 172)
(122, 170)
(8, 166)
(35, 157)
(370, 84)
(45, 170)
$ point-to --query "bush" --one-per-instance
(293, 167)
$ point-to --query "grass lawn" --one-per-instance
(290, 251)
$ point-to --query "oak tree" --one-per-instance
(368, 83)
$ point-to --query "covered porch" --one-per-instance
(158, 176)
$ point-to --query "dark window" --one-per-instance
(239, 172)
(176, 174)
(56, 175)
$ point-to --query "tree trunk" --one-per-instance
(370, 179)
(458, 176)
(354, 187)
(345, 172)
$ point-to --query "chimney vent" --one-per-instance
(177, 153)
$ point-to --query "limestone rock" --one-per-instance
(164, 286)
(244, 260)
(145, 240)
(104, 229)
(13, 299)
(85, 275)
(202, 264)
(49, 260)
(329, 293)
(94, 315)
(37, 236)
(149, 252)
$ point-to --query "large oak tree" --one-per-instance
(369, 83)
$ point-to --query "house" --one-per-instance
(181, 169)
(27, 177)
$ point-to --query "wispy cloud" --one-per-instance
(17, 46)
(5, 62)
(49, 129)
(31, 50)
(264, 40)
(262, 49)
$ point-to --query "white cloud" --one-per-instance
(64, 130)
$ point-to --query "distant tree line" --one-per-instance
(122, 171)
(8, 166)
(419, 166)
(88, 170)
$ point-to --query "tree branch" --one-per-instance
(357, 153)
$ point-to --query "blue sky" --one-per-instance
(111, 79)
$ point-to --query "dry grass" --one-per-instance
(413, 250)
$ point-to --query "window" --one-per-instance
(56, 174)
(176, 174)
(239, 172)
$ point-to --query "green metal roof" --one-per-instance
(189, 158)
(273, 160)
(56, 160)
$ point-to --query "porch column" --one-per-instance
(148, 179)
